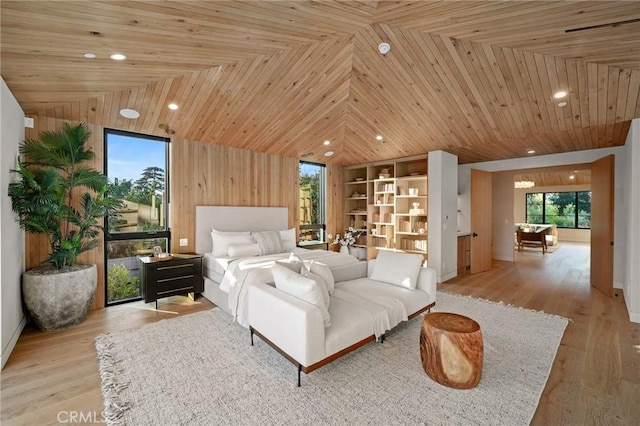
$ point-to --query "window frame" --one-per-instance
(138, 235)
(544, 208)
(322, 208)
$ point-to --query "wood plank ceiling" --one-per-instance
(474, 78)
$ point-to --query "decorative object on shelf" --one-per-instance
(413, 191)
(416, 209)
(384, 173)
(349, 238)
(359, 179)
(374, 231)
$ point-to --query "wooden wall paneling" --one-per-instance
(335, 196)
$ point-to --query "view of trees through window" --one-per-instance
(564, 209)
(136, 166)
(312, 202)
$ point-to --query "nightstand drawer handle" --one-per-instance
(186, 265)
(175, 290)
(175, 278)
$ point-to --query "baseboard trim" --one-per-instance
(505, 258)
(6, 352)
(447, 277)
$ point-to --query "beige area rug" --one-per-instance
(200, 369)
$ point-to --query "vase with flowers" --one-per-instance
(349, 238)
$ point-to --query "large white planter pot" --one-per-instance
(58, 299)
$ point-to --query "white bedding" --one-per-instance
(241, 273)
(214, 267)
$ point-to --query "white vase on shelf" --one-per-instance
(344, 249)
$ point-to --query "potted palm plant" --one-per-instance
(61, 197)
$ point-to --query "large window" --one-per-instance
(137, 168)
(312, 203)
(564, 209)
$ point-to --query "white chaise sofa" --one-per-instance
(368, 299)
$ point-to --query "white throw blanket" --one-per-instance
(243, 272)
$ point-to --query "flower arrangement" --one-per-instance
(349, 237)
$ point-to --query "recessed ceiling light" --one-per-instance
(90, 55)
(572, 177)
(118, 57)
(328, 153)
(559, 95)
(129, 113)
(379, 137)
(561, 104)
(173, 106)
(531, 151)
(325, 143)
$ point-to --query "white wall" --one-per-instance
(503, 198)
(631, 282)
(564, 234)
(441, 214)
(12, 241)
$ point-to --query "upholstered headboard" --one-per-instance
(231, 218)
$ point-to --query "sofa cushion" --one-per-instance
(399, 269)
(323, 271)
(301, 287)
(350, 324)
(389, 295)
(323, 286)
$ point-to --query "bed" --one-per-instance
(229, 272)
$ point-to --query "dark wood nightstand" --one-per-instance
(180, 274)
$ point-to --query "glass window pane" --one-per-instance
(534, 208)
(139, 181)
(123, 275)
(584, 209)
(312, 202)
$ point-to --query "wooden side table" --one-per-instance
(451, 349)
(181, 274)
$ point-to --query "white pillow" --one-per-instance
(323, 286)
(301, 287)
(293, 262)
(399, 269)
(243, 250)
(323, 271)
(222, 240)
(288, 238)
(217, 231)
(269, 242)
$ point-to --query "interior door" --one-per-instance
(480, 221)
(602, 224)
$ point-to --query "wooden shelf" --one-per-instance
(405, 174)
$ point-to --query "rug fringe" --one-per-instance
(109, 369)
(504, 304)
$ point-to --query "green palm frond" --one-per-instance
(42, 199)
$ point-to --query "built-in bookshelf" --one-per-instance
(389, 200)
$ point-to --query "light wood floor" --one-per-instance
(595, 377)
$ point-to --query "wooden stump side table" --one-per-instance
(451, 349)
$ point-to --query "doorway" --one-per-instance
(554, 205)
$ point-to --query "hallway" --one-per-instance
(595, 377)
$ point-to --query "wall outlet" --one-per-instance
(184, 242)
